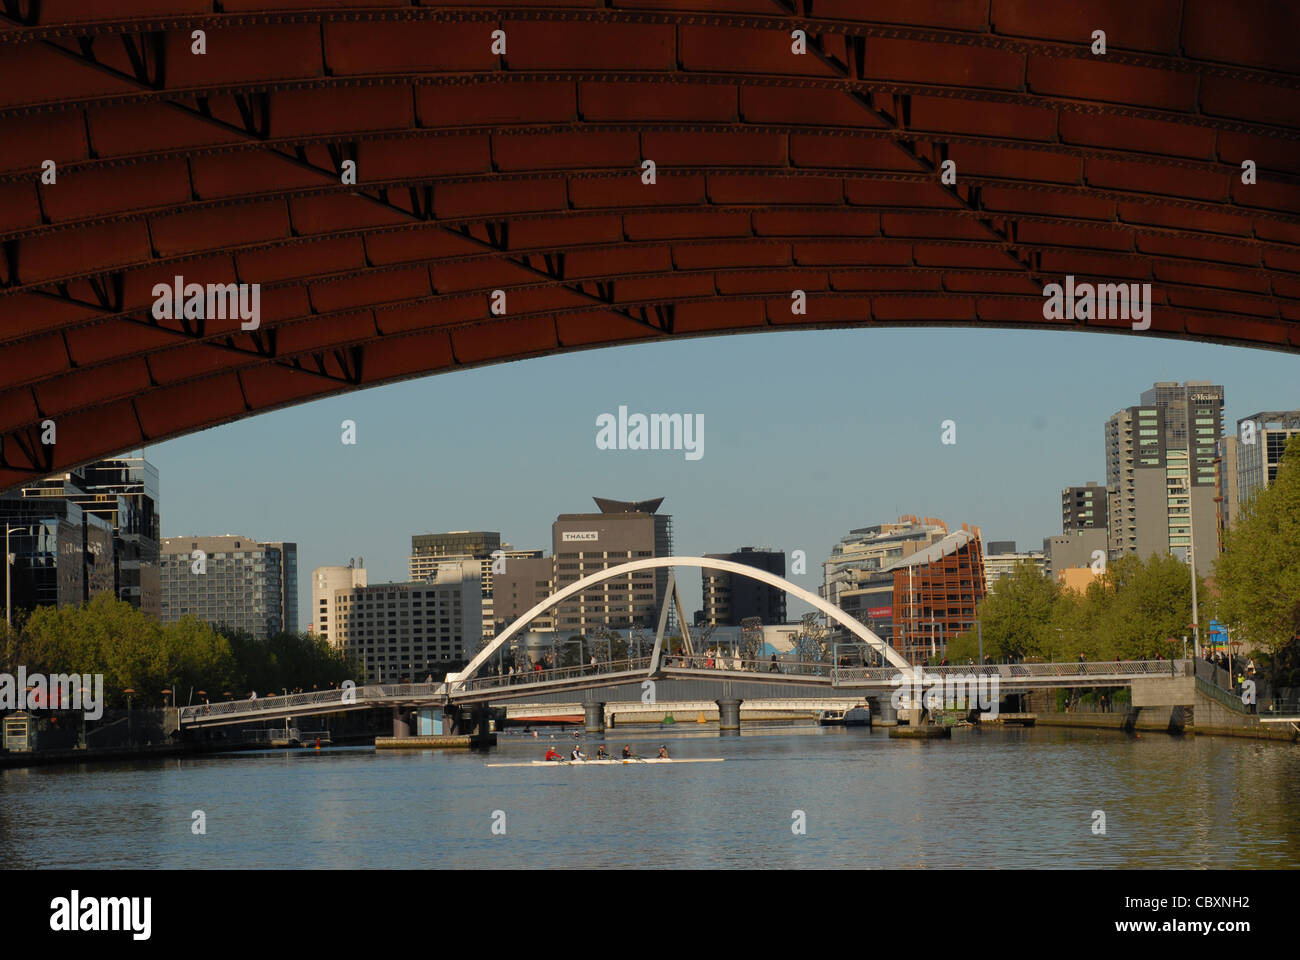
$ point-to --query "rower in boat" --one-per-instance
(577, 753)
(663, 752)
(611, 763)
(627, 751)
(600, 753)
(552, 755)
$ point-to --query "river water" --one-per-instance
(990, 797)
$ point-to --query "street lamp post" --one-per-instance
(1191, 554)
(1227, 644)
(130, 735)
(9, 561)
(9, 619)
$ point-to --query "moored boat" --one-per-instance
(859, 716)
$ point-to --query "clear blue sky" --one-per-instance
(806, 435)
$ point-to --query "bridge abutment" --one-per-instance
(1129, 723)
(594, 716)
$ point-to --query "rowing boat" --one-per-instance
(615, 761)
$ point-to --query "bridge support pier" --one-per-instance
(481, 721)
(594, 715)
(914, 716)
(460, 721)
(728, 715)
(471, 721)
(882, 711)
(401, 728)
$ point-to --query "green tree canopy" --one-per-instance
(1130, 612)
(287, 661)
(1152, 602)
(134, 652)
(1015, 616)
(1258, 574)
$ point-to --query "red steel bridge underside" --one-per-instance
(478, 171)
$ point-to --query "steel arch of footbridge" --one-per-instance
(651, 563)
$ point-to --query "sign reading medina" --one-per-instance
(657, 431)
(1102, 301)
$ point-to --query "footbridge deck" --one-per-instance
(682, 677)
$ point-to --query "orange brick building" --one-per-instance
(936, 592)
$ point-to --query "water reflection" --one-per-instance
(987, 798)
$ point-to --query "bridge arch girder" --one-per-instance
(856, 627)
(777, 171)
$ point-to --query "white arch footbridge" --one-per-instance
(458, 681)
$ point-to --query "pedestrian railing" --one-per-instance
(1096, 671)
(349, 698)
(1225, 697)
(801, 668)
(553, 675)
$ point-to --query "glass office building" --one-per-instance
(61, 554)
(123, 492)
(240, 583)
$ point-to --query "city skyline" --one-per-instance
(522, 439)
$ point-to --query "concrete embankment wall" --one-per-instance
(1208, 718)
(1213, 719)
(1153, 720)
(38, 758)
